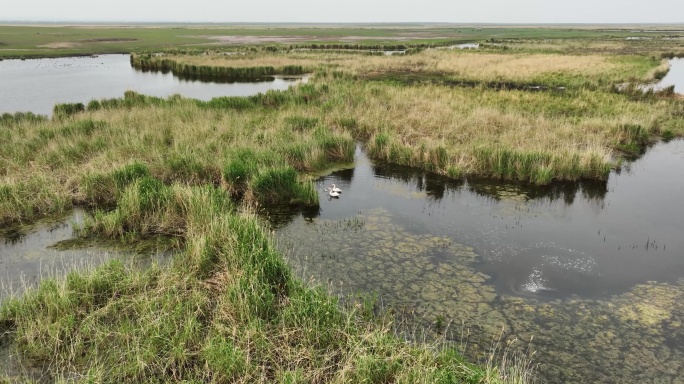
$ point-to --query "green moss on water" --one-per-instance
(630, 337)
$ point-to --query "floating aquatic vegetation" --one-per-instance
(636, 336)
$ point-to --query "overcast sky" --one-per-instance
(322, 11)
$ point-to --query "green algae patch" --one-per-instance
(434, 280)
(650, 305)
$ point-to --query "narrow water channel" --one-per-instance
(674, 77)
(592, 270)
(37, 85)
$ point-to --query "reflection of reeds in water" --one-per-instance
(352, 224)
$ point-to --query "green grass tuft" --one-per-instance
(282, 185)
(61, 111)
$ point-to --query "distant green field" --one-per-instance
(65, 40)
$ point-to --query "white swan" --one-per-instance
(333, 193)
(335, 189)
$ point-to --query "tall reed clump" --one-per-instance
(21, 117)
(61, 111)
(499, 162)
(148, 62)
(145, 208)
(335, 147)
(242, 166)
(281, 185)
(321, 148)
(632, 138)
(264, 178)
(538, 167)
(186, 168)
(228, 309)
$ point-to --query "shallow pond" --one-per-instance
(37, 85)
(28, 255)
(591, 270)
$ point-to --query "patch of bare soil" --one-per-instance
(255, 39)
(61, 44)
(222, 39)
(109, 40)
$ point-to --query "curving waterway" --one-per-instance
(37, 85)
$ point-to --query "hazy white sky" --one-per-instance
(470, 11)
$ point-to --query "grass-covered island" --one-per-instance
(228, 308)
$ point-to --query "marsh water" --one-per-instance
(675, 76)
(29, 255)
(37, 85)
(592, 270)
(49, 249)
(26, 255)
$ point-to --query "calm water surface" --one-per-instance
(675, 76)
(37, 85)
(592, 270)
(586, 240)
(30, 254)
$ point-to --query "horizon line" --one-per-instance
(330, 23)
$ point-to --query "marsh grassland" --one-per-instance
(228, 308)
(189, 321)
(447, 65)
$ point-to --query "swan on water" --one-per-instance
(332, 193)
(335, 189)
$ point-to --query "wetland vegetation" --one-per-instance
(229, 308)
(483, 259)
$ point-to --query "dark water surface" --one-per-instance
(26, 255)
(37, 85)
(592, 270)
(586, 240)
